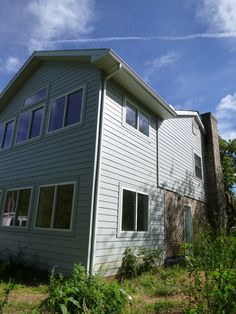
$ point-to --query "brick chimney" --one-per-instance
(215, 183)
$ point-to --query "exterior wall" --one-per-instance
(174, 217)
(61, 156)
(176, 147)
(129, 160)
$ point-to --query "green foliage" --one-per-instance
(81, 293)
(9, 287)
(164, 306)
(134, 264)
(212, 269)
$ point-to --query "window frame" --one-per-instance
(187, 207)
(194, 163)
(29, 208)
(66, 95)
(134, 233)
(37, 102)
(50, 229)
(139, 112)
(4, 132)
(31, 110)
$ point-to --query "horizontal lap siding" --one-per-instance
(128, 159)
(177, 145)
(65, 155)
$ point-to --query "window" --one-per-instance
(29, 125)
(66, 110)
(188, 227)
(6, 132)
(35, 98)
(198, 166)
(137, 119)
(55, 207)
(134, 211)
(16, 207)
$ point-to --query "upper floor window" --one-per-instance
(136, 118)
(66, 110)
(55, 206)
(16, 208)
(30, 125)
(198, 166)
(6, 132)
(35, 98)
(135, 207)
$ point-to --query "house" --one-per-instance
(92, 161)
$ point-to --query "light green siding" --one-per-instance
(63, 156)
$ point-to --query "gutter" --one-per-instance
(96, 173)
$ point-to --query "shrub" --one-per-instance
(212, 269)
(134, 264)
(81, 293)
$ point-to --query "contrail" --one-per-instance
(146, 38)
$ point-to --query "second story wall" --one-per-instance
(180, 142)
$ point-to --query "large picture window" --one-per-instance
(66, 110)
(30, 125)
(135, 208)
(6, 133)
(16, 208)
(136, 118)
(198, 166)
(55, 206)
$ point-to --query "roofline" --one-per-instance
(191, 113)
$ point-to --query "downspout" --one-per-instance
(96, 175)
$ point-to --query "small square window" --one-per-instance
(136, 118)
(134, 211)
(198, 166)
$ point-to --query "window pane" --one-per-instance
(8, 134)
(131, 116)
(36, 122)
(45, 207)
(22, 208)
(142, 214)
(128, 211)
(57, 114)
(198, 166)
(143, 124)
(10, 207)
(64, 201)
(23, 128)
(74, 107)
(33, 99)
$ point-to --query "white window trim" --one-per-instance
(4, 129)
(37, 102)
(128, 234)
(128, 126)
(195, 176)
(30, 202)
(83, 87)
(27, 140)
(53, 208)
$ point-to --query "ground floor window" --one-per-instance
(135, 208)
(16, 207)
(55, 206)
(188, 228)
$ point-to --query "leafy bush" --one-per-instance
(81, 293)
(212, 269)
(134, 264)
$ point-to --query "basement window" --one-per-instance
(135, 208)
(55, 206)
(16, 208)
(198, 166)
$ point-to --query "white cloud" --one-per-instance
(12, 64)
(53, 19)
(226, 114)
(160, 62)
(219, 15)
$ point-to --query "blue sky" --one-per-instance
(184, 49)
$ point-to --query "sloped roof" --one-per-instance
(191, 113)
(107, 61)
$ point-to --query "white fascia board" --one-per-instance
(189, 113)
